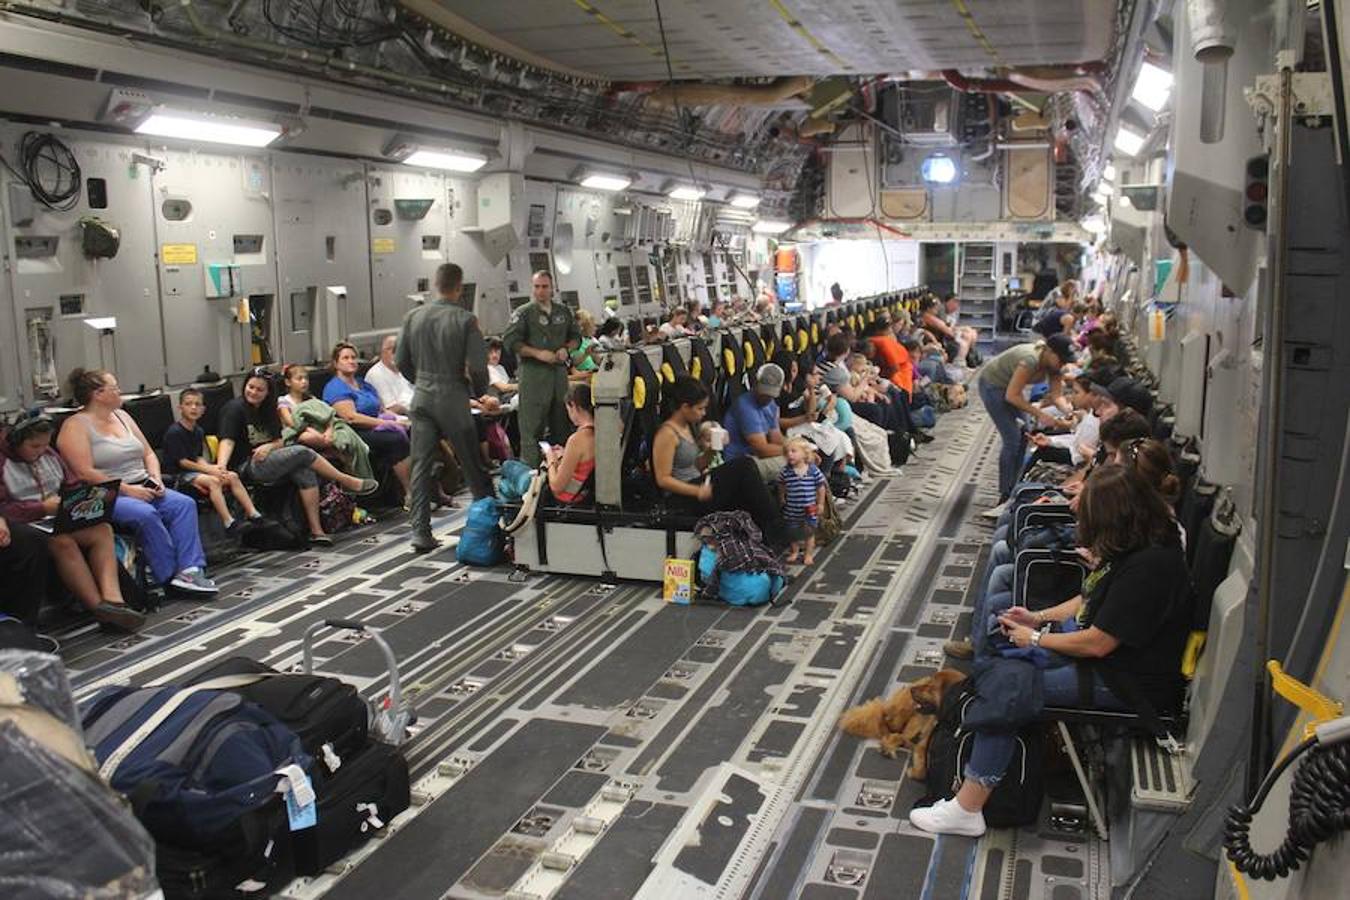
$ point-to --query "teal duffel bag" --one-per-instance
(738, 588)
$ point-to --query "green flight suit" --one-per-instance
(543, 386)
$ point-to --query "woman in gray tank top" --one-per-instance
(101, 443)
(680, 466)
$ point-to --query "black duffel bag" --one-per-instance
(355, 802)
(1017, 799)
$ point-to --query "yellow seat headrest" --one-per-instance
(696, 368)
(729, 361)
(749, 355)
(788, 342)
(667, 373)
(639, 393)
(801, 339)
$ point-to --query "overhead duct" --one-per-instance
(701, 94)
(1212, 42)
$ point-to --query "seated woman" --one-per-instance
(680, 457)
(250, 444)
(101, 443)
(32, 475)
(315, 424)
(570, 466)
(803, 411)
(1131, 622)
(359, 406)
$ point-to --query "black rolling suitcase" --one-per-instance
(244, 866)
(355, 802)
(320, 710)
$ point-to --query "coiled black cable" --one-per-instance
(1319, 806)
(49, 169)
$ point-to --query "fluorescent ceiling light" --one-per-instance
(1153, 87)
(1109, 173)
(685, 192)
(1129, 141)
(602, 182)
(212, 129)
(450, 160)
(744, 201)
(770, 226)
(938, 169)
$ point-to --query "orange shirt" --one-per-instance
(894, 362)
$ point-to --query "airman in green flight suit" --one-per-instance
(542, 335)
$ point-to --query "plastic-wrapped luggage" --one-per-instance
(51, 800)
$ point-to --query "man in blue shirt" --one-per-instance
(752, 422)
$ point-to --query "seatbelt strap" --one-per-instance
(607, 575)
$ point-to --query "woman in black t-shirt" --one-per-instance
(250, 444)
(1133, 618)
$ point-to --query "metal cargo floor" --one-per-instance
(580, 741)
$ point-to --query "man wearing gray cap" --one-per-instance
(752, 423)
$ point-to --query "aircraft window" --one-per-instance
(72, 304)
(248, 243)
(424, 284)
(330, 247)
(431, 242)
(383, 217)
(176, 210)
(572, 299)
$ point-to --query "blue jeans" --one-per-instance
(986, 606)
(993, 751)
(166, 532)
(1008, 421)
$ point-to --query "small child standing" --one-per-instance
(801, 490)
(185, 459)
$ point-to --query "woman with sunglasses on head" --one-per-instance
(385, 433)
(1129, 627)
(32, 476)
(251, 444)
(102, 443)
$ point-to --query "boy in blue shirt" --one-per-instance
(185, 460)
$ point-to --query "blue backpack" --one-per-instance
(211, 760)
(482, 542)
(738, 588)
(515, 480)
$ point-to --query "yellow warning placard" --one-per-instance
(382, 245)
(178, 254)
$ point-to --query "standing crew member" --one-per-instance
(442, 352)
(542, 335)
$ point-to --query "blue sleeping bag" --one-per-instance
(738, 588)
(482, 542)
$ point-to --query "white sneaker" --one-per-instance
(947, 817)
(193, 580)
(996, 511)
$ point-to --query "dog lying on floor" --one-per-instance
(904, 719)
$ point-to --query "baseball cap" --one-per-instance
(769, 380)
(1128, 392)
(1061, 346)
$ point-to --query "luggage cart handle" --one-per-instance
(395, 683)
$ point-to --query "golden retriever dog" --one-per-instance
(904, 719)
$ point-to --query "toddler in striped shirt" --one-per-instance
(801, 490)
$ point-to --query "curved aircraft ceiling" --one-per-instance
(620, 40)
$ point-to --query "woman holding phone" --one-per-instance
(102, 443)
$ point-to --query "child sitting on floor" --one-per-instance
(185, 459)
(801, 491)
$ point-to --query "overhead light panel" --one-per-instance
(938, 169)
(742, 200)
(1128, 141)
(686, 192)
(1153, 87)
(770, 226)
(449, 160)
(190, 126)
(602, 181)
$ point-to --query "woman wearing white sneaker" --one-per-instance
(102, 443)
(1133, 618)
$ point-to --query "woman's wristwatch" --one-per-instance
(1036, 637)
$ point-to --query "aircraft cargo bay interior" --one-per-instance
(543, 450)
